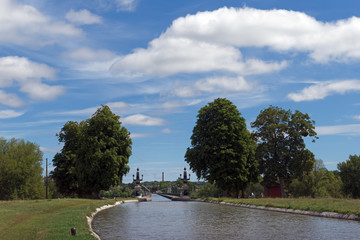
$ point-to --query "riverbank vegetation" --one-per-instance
(344, 206)
(47, 219)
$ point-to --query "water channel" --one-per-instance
(164, 219)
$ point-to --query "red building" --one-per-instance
(273, 190)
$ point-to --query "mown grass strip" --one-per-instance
(344, 206)
(47, 219)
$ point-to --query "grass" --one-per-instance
(345, 206)
(47, 219)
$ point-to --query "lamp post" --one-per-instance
(137, 181)
(185, 188)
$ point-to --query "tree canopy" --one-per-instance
(222, 150)
(350, 175)
(20, 170)
(94, 156)
(281, 148)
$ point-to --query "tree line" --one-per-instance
(225, 153)
(96, 151)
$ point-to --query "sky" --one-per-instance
(156, 63)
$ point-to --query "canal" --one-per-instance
(164, 219)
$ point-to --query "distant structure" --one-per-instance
(137, 181)
(163, 177)
(185, 188)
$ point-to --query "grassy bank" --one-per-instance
(47, 219)
(345, 206)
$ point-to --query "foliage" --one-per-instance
(350, 175)
(318, 183)
(281, 147)
(254, 188)
(64, 173)
(208, 190)
(20, 170)
(116, 192)
(222, 151)
(95, 154)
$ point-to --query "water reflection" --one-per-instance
(163, 219)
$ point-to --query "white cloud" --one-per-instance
(29, 76)
(114, 106)
(142, 120)
(4, 114)
(168, 56)
(357, 117)
(126, 5)
(322, 90)
(82, 17)
(40, 91)
(50, 150)
(10, 100)
(210, 41)
(24, 24)
(221, 84)
(139, 135)
(87, 54)
(351, 130)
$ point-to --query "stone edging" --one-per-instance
(91, 218)
(293, 211)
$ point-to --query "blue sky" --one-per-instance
(156, 63)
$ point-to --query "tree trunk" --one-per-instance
(242, 192)
(237, 191)
(282, 187)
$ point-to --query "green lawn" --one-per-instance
(346, 206)
(47, 219)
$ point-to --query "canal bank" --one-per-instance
(291, 211)
(91, 217)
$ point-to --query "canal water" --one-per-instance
(164, 219)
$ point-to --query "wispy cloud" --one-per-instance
(126, 5)
(82, 17)
(143, 120)
(350, 129)
(4, 114)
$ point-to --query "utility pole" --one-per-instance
(46, 179)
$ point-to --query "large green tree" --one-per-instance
(281, 149)
(95, 154)
(64, 173)
(222, 151)
(20, 170)
(350, 175)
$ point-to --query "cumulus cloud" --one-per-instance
(4, 114)
(24, 24)
(126, 5)
(168, 56)
(322, 90)
(143, 120)
(211, 41)
(82, 17)
(28, 75)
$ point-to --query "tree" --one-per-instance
(64, 173)
(318, 183)
(350, 175)
(95, 154)
(222, 151)
(20, 170)
(281, 149)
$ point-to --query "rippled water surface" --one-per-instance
(164, 219)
